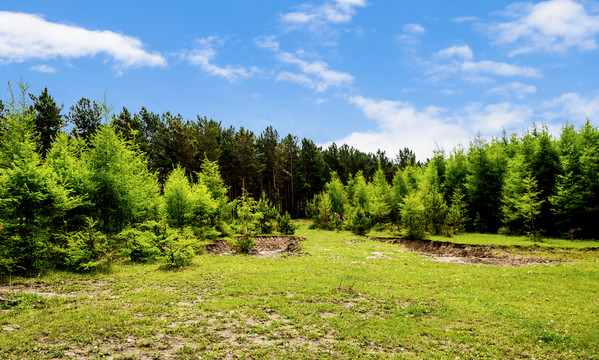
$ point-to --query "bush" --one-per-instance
(413, 217)
(138, 246)
(360, 222)
(284, 224)
(87, 251)
(178, 249)
(243, 244)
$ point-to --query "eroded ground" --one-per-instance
(265, 246)
(471, 254)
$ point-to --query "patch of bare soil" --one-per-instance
(265, 246)
(467, 254)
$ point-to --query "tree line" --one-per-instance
(83, 183)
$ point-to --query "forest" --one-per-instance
(83, 187)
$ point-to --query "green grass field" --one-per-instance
(347, 299)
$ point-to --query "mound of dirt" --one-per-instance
(466, 254)
(265, 246)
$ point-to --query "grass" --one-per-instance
(347, 299)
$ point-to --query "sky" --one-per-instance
(372, 74)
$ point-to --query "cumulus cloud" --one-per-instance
(401, 124)
(413, 29)
(551, 26)
(267, 42)
(462, 19)
(205, 54)
(571, 106)
(515, 88)
(316, 75)
(463, 52)
(499, 68)
(331, 12)
(491, 119)
(459, 60)
(26, 37)
(43, 68)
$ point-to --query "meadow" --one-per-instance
(341, 297)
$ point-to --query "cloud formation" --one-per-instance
(205, 54)
(550, 26)
(26, 37)
(331, 12)
(459, 60)
(316, 75)
(515, 88)
(572, 107)
(43, 68)
(414, 29)
(400, 124)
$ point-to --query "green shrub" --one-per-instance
(243, 244)
(87, 251)
(178, 249)
(413, 217)
(284, 224)
(138, 246)
(360, 222)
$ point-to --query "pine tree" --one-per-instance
(47, 121)
(86, 118)
(178, 197)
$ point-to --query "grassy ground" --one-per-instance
(350, 298)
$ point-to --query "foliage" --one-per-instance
(248, 214)
(178, 247)
(360, 221)
(284, 224)
(243, 244)
(87, 251)
(266, 222)
(457, 213)
(413, 217)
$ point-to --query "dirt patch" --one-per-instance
(449, 252)
(265, 246)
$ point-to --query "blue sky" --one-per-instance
(372, 74)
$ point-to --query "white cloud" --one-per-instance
(466, 19)
(463, 52)
(26, 37)
(499, 68)
(316, 75)
(515, 88)
(204, 56)
(300, 79)
(552, 26)
(491, 119)
(267, 42)
(413, 29)
(43, 68)
(572, 107)
(402, 125)
(331, 12)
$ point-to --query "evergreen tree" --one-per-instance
(30, 198)
(413, 217)
(47, 121)
(381, 198)
(123, 189)
(484, 181)
(86, 118)
(570, 192)
(178, 197)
